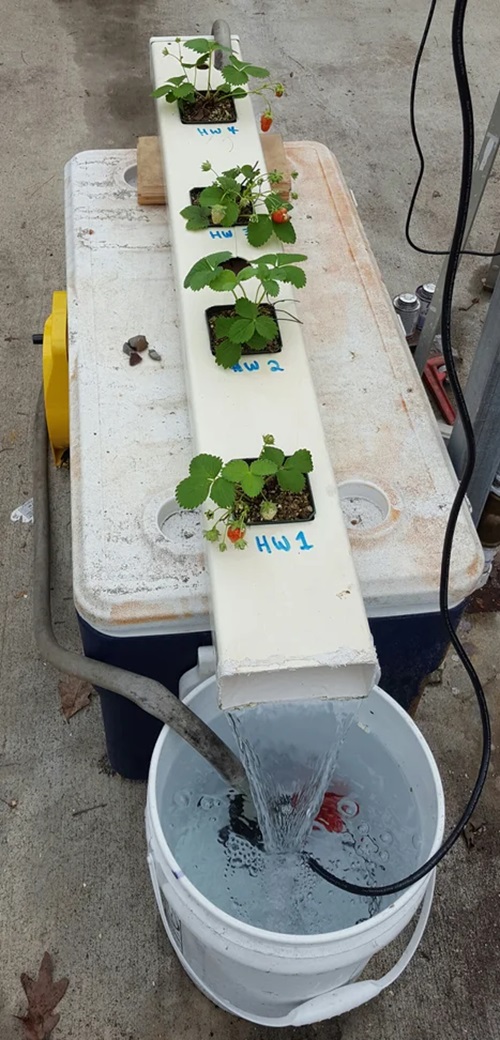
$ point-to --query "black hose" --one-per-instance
(148, 694)
(458, 235)
(416, 142)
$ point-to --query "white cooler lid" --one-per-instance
(130, 439)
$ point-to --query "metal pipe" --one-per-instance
(148, 694)
(222, 35)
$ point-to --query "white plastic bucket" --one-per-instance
(271, 978)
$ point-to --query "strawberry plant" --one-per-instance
(272, 487)
(206, 102)
(234, 198)
(248, 323)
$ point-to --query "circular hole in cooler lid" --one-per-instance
(364, 505)
(130, 176)
(181, 528)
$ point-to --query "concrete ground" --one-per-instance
(74, 75)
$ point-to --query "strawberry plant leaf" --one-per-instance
(263, 467)
(192, 491)
(227, 354)
(196, 217)
(275, 454)
(247, 272)
(224, 281)
(242, 329)
(257, 72)
(236, 77)
(285, 232)
(211, 196)
(257, 342)
(246, 308)
(206, 466)
(281, 259)
(260, 230)
(293, 275)
(266, 327)
(200, 45)
(222, 326)
(300, 460)
(248, 171)
(185, 91)
(161, 91)
(270, 286)
(291, 480)
(231, 215)
(204, 271)
(235, 470)
(223, 493)
(252, 484)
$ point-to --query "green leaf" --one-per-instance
(236, 77)
(177, 80)
(242, 329)
(205, 270)
(291, 480)
(266, 327)
(275, 454)
(222, 326)
(260, 230)
(257, 72)
(211, 196)
(285, 232)
(274, 201)
(224, 281)
(192, 491)
(246, 308)
(300, 460)
(270, 286)
(161, 91)
(231, 215)
(235, 470)
(247, 272)
(257, 342)
(252, 484)
(282, 259)
(208, 466)
(185, 91)
(249, 172)
(263, 467)
(196, 218)
(223, 493)
(200, 45)
(293, 275)
(227, 354)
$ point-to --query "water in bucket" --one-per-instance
(367, 829)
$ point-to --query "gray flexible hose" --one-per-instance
(221, 34)
(148, 694)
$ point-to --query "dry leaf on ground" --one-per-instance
(74, 695)
(43, 996)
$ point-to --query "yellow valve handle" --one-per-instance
(55, 376)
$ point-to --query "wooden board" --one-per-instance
(150, 187)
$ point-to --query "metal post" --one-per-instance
(482, 170)
(482, 394)
(494, 268)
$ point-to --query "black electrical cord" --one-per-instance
(416, 141)
(455, 251)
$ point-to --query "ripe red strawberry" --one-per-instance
(235, 534)
(266, 121)
(280, 216)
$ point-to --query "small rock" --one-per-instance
(135, 358)
(127, 349)
(154, 355)
(139, 343)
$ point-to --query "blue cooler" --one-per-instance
(140, 586)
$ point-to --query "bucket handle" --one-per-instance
(352, 995)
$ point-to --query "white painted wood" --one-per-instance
(288, 613)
